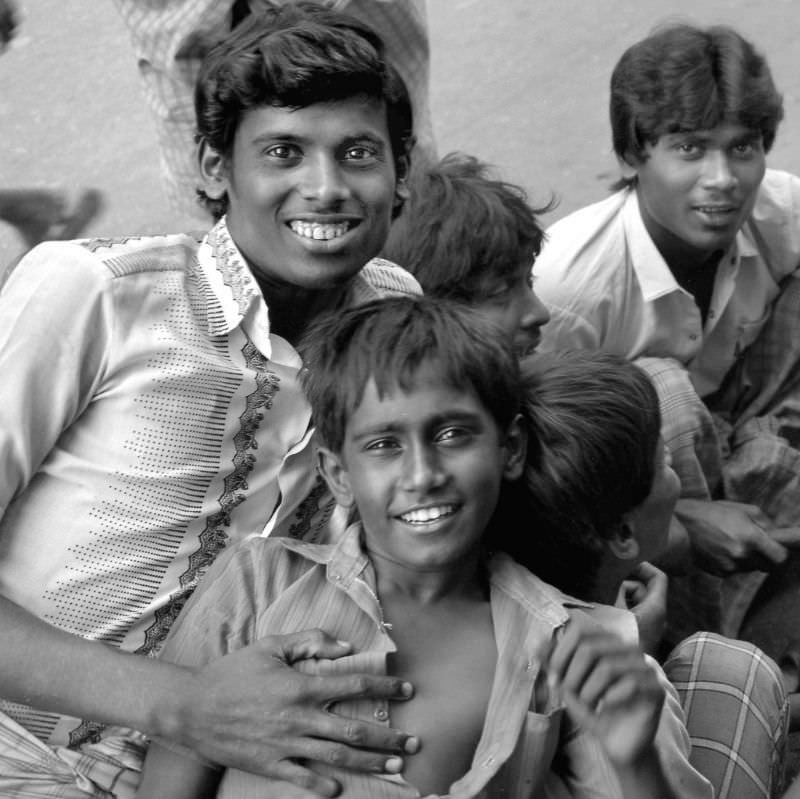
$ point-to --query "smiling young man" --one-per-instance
(154, 416)
(689, 268)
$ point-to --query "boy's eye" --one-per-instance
(688, 148)
(452, 435)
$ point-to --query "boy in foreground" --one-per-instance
(156, 417)
(416, 403)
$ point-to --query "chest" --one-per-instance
(450, 658)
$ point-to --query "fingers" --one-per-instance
(768, 553)
(786, 536)
(305, 644)
(294, 781)
(352, 752)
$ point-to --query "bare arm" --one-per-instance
(249, 709)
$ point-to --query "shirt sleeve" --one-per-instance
(56, 325)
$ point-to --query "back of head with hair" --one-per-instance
(389, 341)
(594, 426)
(682, 79)
(293, 55)
(464, 233)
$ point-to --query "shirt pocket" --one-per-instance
(525, 772)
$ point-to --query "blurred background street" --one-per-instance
(519, 83)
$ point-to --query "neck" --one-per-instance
(467, 579)
(681, 257)
(608, 580)
(293, 308)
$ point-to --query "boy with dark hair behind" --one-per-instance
(599, 483)
(517, 690)
(469, 236)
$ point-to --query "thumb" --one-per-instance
(772, 551)
(304, 645)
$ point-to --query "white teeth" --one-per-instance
(315, 230)
(426, 515)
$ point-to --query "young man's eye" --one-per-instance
(360, 152)
(381, 445)
(281, 152)
(744, 149)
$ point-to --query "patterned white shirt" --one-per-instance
(150, 417)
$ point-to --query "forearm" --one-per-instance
(53, 670)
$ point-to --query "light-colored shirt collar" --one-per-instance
(654, 275)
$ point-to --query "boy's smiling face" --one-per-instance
(424, 468)
(310, 190)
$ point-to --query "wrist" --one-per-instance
(169, 702)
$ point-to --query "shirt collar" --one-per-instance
(234, 292)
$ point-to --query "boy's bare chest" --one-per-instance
(449, 656)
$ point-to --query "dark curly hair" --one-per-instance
(293, 56)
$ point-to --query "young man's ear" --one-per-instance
(332, 469)
(623, 543)
(516, 447)
(213, 171)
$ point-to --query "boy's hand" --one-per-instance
(252, 711)
(608, 688)
(644, 593)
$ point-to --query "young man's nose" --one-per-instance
(717, 170)
(421, 469)
(323, 181)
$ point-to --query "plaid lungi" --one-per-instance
(741, 444)
(737, 714)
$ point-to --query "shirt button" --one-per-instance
(711, 314)
(693, 336)
(382, 714)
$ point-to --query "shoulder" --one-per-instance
(270, 562)
(773, 228)
(381, 278)
(96, 261)
(588, 243)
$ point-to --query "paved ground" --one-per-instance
(521, 83)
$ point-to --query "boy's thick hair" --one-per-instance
(594, 425)
(463, 233)
(294, 55)
(681, 79)
(389, 341)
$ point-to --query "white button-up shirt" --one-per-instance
(608, 287)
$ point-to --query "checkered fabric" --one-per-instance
(739, 444)
(170, 38)
(737, 714)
